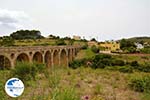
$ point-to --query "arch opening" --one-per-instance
(63, 58)
(23, 57)
(48, 59)
(4, 62)
(73, 54)
(37, 57)
(56, 58)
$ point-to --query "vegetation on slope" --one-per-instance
(59, 83)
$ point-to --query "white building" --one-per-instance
(139, 46)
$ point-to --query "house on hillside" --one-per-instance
(76, 37)
(109, 46)
(138, 45)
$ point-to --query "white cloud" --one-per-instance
(13, 20)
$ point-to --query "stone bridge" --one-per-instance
(49, 55)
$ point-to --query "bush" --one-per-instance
(101, 60)
(25, 71)
(60, 42)
(98, 65)
(134, 64)
(40, 67)
(125, 69)
(140, 84)
(95, 49)
(145, 50)
(85, 46)
(131, 49)
(86, 62)
(101, 56)
(117, 63)
(75, 64)
(7, 41)
(145, 67)
(105, 60)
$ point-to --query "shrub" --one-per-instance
(125, 69)
(75, 64)
(140, 67)
(131, 49)
(134, 64)
(98, 64)
(40, 67)
(87, 62)
(140, 84)
(101, 56)
(146, 50)
(7, 41)
(95, 49)
(145, 67)
(117, 63)
(85, 46)
(25, 71)
(101, 60)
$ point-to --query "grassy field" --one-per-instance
(63, 83)
(46, 41)
(31, 42)
(83, 83)
(87, 53)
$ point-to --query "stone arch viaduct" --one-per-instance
(49, 55)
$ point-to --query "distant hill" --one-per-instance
(139, 39)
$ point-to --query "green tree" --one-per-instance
(128, 46)
(7, 41)
(131, 49)
(85, 46)
(95, 49)
(126, 43)
(93, 39)
(53, 37)
(26, 34)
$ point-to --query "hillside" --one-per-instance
(140, 39)
(62, 83)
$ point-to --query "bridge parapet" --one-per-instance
(26, 48)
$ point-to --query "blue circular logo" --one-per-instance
(14, 87)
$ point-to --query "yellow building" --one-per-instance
(109, 46)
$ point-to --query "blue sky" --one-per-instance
(102, 19)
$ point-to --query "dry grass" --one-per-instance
(97, 84)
